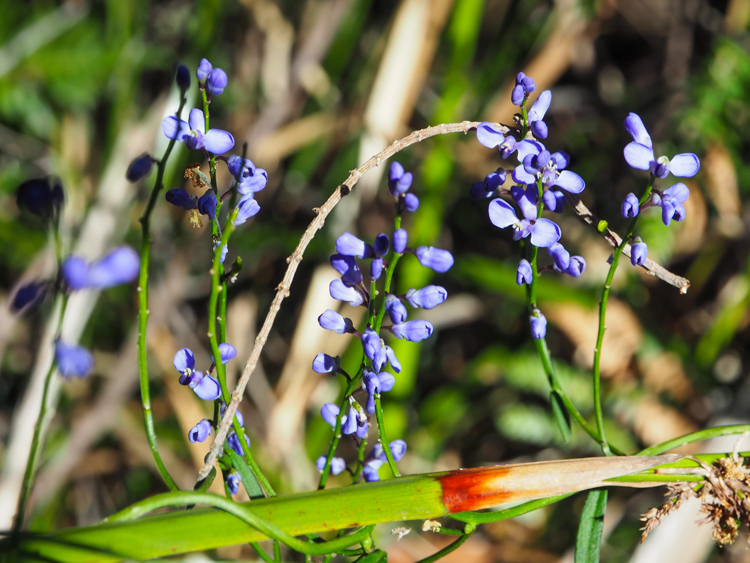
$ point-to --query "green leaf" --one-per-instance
(562, 416)
(376, 556)
(248, 479)
(589, 537)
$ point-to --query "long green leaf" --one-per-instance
(589, 539)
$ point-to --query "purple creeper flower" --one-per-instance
(554, 200)
(413, 331)
(29, 296)
(330, 412)
(200, 431)
(206, 387)
(121, 265)
(640, 153)
(638, 252)
(346, 266)
(434, 258)
(141, 166)
(400, 240)
(376, 269)
(671, 201)
(216, 82)
(233, 482)
(398, 449)
(323, 363)
(182, 77)
(349, 245)
(203, 70)
(226, 352)
(73, 361)
(524, 273)
(235, 164)
(381, 245)
(630, 207)
(411, 202)
(207, 205)
(193, 132)
(41, 196)
(331, 320)
(399, 181)
(576, 267)
(247, 207)
(491, 137)
(395, 309)
(339, 290)
(373, 347)
(536, 115)
(544, 233)
(337, 464)
(538, 324)
(561, 256)
(537, 162)
(234, 442)
(492, 182)
(375, 384)
(181, 198)
(352, 421)
(426, 298)
(370, 470)
(254, 183)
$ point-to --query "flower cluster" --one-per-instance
(204, 385)
(540, 181)
(353, 288)
(639, 154)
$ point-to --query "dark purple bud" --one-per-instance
(330, 412)
(400, 239)
(528, 85)
(323, 363)
(139, 168)
(73, 361)
(538, 325)
(246, 208)
(540, 129)
(561, 256)
(434, 258)
(381, 244)
(339, 290)
(28, 297)
(204, 69)
(524, 274)
(207, 205)
(630, 207)
(638, 252)
(200, 431)
(478, 190)
(235, 164)
(331, 320)
(41, 196)
(376, 268)
(494, 180)
(347, 267)
(411, 202)
(399, 181)
(413, 331)
(395, 309)
(370, 470)
(181, 198)
(554, 200)
(577, 266)
(182, 77)
(233, 482)
(517, 96)
(217, 81)
(427, 297)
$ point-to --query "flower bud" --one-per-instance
(538, 324)
(413, 331)
(203, 70)
(182, 77)
(400, 239)
(638, 252)
(73, 361)
(426, 298)
(217, 81)
(200, 431)
(434, 258)
(524, 274)
(139, 168)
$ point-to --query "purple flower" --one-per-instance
(527, 83)
(554, 200)
(194, 133)
(426, 298)
(205, 386)
(121, 265)
(538, 163)
(330, 412)
(182, 77)
(387, 381)
(561, 256)
(73, 361)
(630, 207)
(140, 167)
(181, 198)
(200, 431)
(400, 239)
(434, 258)
(372, 346)
(323, 363)
(640, 153)
(203, 70)
(207, 205)
(337, 464)
(399, 181)
(339, 290)
(216, 82)
(226, 352)
(381, 244)
(370, 470)
(254, 183)
(411, 202)
(524, 273)
(576, 267)
(376, 268)
(41, 196)
(526, 199)
(184, 361)
(348, 268)
(671, 203)
(491, 137)
(349, 245)
(239, 167)
(75, 271)
(538, 324)
(392, 359)
(517, 96)
(638, 252)
(537, 112)
(544, 233)
(246, 208)
(397, 447)
(234, 442)
(237, 413)
(395, 309)
(233, 482)
(29, 296)
(413, 331)
(331, 320)
(351, 422)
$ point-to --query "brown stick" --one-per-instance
(282, 291)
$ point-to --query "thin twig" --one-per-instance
(282, 291)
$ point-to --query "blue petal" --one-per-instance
(217, 141)
(184, 360)
(570, 182)
(122, 265)
(247, 207)
(527, 147)
(562, 159)
(197, 121)
(339, 290)
(544, 233)
(502, 214)
(73, 361)
(522, 177)
(684, 165)
(208, 389)
(638, 156)
(489, 135)
(254, 183)
(76, 272)
(227, 352)
(540, 107)
(679, 191)
(634, 125)
(174, 129)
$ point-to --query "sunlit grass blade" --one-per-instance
(589, 538)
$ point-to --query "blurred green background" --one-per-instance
(315, 88)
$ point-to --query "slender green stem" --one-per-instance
(384, 437)
(260, 551)
(277, 551)
(37, 442)
(143, 311)
(212, 159)
(450, 548)
(360, 460)
(695, 437)
(243, 513)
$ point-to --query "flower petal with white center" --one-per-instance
(638, 156)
